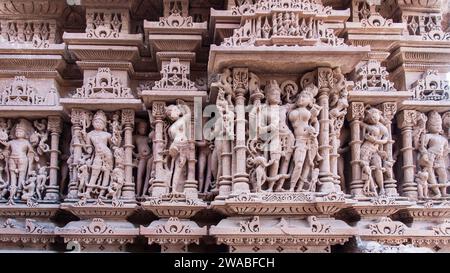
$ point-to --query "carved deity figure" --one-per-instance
(143, 157)
(306, 129)
(29, 187)
(258, 173)
(422, 184)
(373, 153)
(19, 156)
(433, 155)
(41, 180)
(96, 145)
(278, 137)
(180, 149)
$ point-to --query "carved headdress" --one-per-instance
(311, 90)
(100, 115)
(272, 89)
(434, 119)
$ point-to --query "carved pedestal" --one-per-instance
(174, 232)
(292, 222)
(27, 227)
(429, 224)
(375, 224)
(101, 228)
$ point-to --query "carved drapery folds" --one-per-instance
(283, 23)
(22, 92)
(432, 86)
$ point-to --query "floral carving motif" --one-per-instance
(387, 227)
(316, 226)
(174, 226)
(251, 225)
(443, 228)
(97, 226)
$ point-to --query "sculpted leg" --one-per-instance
(441, 173)
(378, 173)
(149, 169)
(299, 159)
(273, 169)
(140, 175)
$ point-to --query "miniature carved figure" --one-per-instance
(29, 187)
(41, 180)
(422, 184)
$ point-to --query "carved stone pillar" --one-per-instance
(240, 87)
(389, 109)
(76, 117)
(405, 121)
(160, 186)
(355, 115)
(54, 126)
(325, 84)
(128, 191)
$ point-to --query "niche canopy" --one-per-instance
(283, 36)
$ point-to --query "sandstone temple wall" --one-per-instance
(224, 125)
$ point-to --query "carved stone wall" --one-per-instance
(235, 125)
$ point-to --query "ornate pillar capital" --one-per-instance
(158, 110)
(55, 124)
(388, 109)
(240, 81)
(356, 111)
(406, 118)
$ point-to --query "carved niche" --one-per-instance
(175, 76)
(373, 77)
(97, 162)
(21, 92)
(431, 87)
(104, 85)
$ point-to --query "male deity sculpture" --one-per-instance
(22, 152)
(433, 156)
(100, 148)
(272, 128)
(375, 136)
